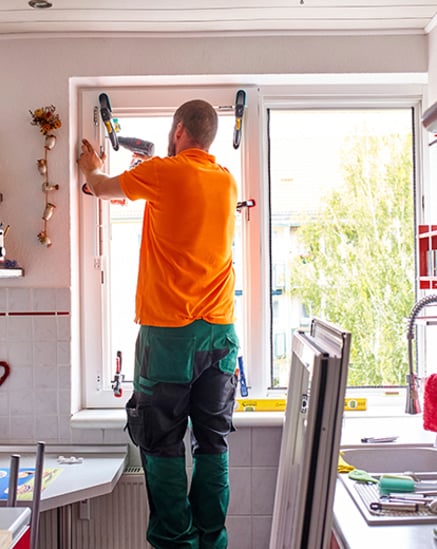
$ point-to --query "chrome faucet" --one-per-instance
(413, 405)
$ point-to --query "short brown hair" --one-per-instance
(200, 121)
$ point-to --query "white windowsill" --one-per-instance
(385, 416)
(116, 419)
(356, 425)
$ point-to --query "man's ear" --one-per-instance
(179, 130)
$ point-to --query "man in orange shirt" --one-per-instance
(187, 347)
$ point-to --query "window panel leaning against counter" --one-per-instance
(187, 346)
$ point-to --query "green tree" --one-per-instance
(358, 269)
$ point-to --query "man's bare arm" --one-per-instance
(99, 184)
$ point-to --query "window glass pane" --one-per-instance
(342, 234)
(125, 226)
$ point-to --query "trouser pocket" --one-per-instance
(170, 358)
(136, 425)
(228, 363)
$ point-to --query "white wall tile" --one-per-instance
(45, 377)
(45, 353)
(20, 379)
(263, 490)
(3, 332)
(64, 429)
(44, 299)
(63, 328)
(64, 381)
(44, 328)
(21, 402)
(5, 433)
(239, 532)
(241, 491)
(20, 353)
(3, 300)
(63, 353)
(46, 428)
(19, 328)
(261, 532)
(4, 401)
(240, 447)
(266, 444)
(45, 402)
(22, 428)
(64, 402)
(63, 300)
(19, 299)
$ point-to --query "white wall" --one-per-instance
(36, 72)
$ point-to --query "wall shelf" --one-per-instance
(13, 272)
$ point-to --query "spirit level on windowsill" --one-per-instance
(280, 404)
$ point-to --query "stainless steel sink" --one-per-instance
(393, 458)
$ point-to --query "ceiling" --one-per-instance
(207, 16)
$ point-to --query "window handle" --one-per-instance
(246, 204)
(118, 376)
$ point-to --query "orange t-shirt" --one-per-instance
(185, 268)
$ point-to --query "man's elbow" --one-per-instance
(107, 188)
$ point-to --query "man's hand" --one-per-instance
(98, 183)
(89, 160)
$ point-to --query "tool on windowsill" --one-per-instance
(379, 440)
(242, 377)
(118, 377)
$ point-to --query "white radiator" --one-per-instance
(116, 521)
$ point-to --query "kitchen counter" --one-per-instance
(350, 527)
(96, 475)
(352, 531)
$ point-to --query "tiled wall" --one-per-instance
(254, 456)
(35, 405)
(35, 342)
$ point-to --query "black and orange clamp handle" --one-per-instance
(118, 377)
(240, 102)
(106, 114)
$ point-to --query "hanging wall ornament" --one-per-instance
(48, 122)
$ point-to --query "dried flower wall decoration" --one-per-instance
(48, 121)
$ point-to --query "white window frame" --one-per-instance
(254, 172)
(97, 390)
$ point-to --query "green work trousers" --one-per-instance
(184, 374)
